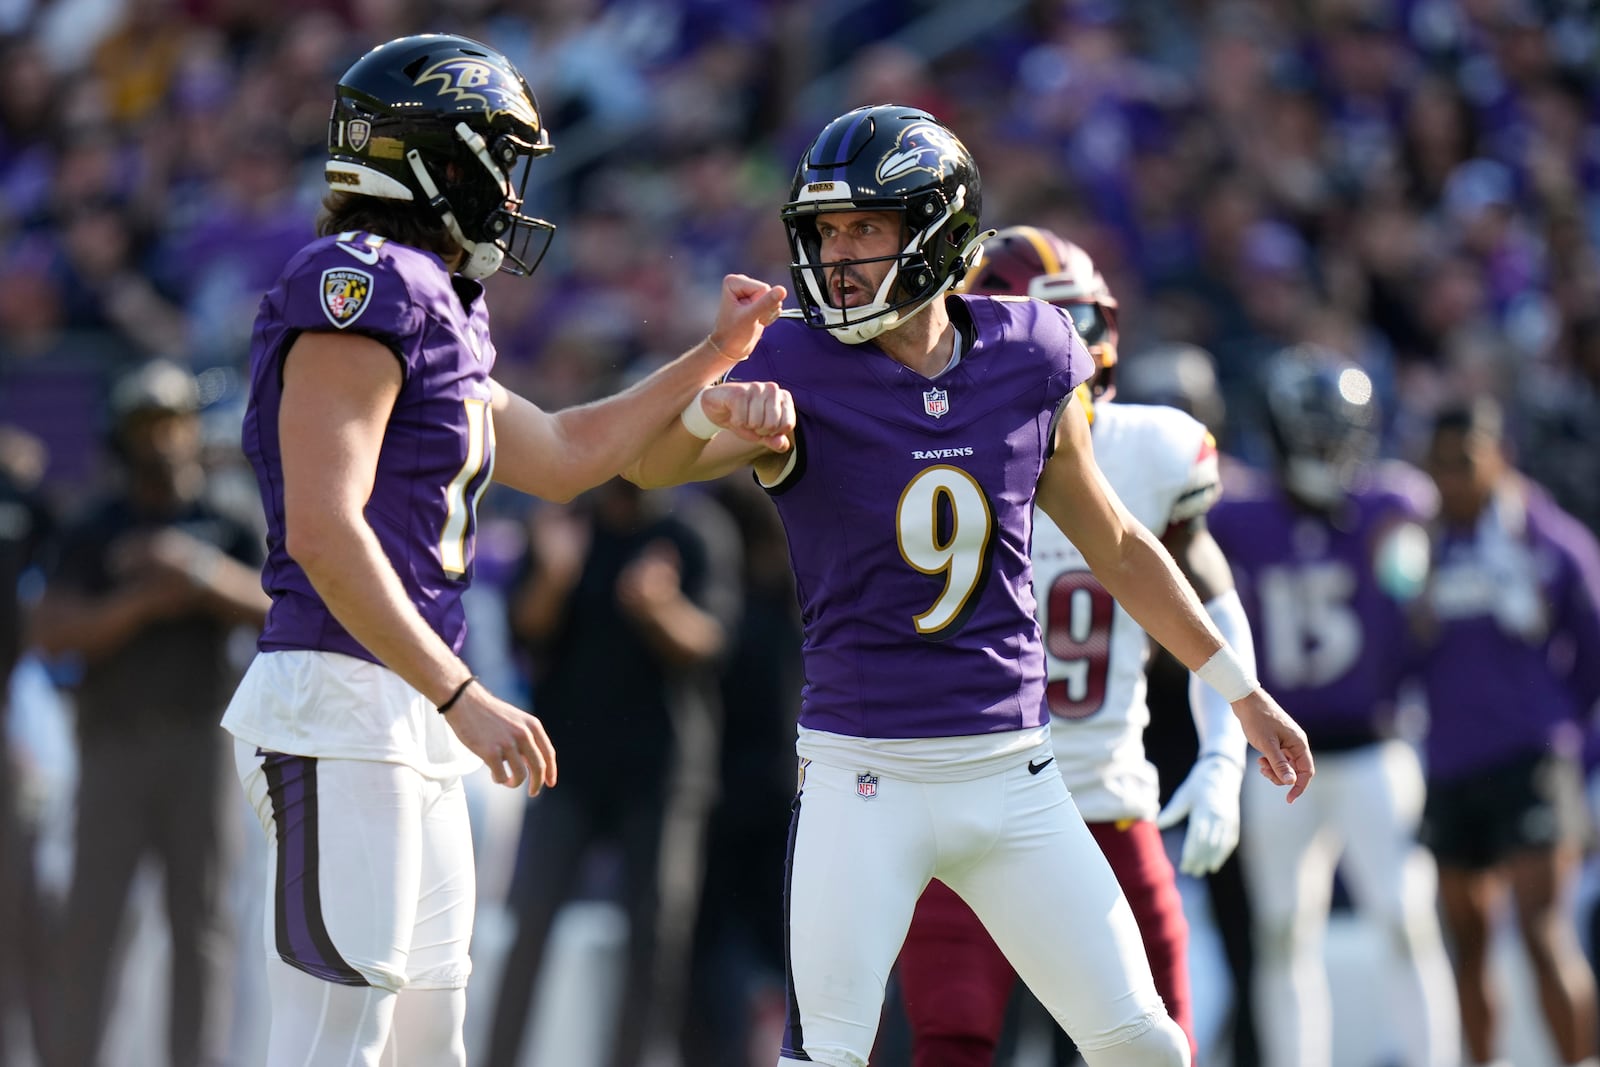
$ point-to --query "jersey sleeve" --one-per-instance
(1578, 606)
(1200, 482)
(1068, 360)
(759, 365)
(1411, 494)
(352, 288)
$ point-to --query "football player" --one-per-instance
(926, 426)
(1326, 552)
(1163, 465)
(374, 425)
(1510, 665)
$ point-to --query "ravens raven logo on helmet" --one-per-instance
(468, 79)
(922, 146)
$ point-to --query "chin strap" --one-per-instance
(880, 318)
(855, 333)
(483, 257)
(483, 260)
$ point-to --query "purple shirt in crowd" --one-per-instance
(438, 447)
(1330, 642)
(909, 514)
(1513, 666)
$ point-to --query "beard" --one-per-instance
(848, 283)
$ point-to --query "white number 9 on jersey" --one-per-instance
(944, 525)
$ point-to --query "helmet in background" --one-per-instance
(1030, 261)
(1322, 419)
(1178, 375)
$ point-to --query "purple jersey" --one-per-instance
(1330, 642)
(909, 514)
(438, 448)
(1513, 664)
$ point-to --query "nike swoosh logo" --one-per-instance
(369, 257)
(1035, 768)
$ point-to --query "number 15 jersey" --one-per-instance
(909, 511)
(1163, 465)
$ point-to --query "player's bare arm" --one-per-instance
(96, 626)
(228, 590)
(1199, 558)
(1134, 567)
(158, 574)
(558, 543)
(650, 592)
(559, 455)
(338, 391)
(1125, 556)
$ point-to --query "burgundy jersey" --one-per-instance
(909, 515)
(438, 448)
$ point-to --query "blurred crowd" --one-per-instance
(1414, 184)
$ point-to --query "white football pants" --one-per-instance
(371, 892)
(1014, 847)
(1360, 815)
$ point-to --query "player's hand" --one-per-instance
(510, 741)
(651, 582)
(156, 570)
(748, 307)
(1209, 799)
(762, 412)
(168, 551)
(1285, 755)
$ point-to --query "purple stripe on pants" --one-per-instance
(302, 938)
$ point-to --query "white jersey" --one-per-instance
(1163, 464)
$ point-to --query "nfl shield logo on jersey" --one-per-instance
(866, 785)
(936, 402)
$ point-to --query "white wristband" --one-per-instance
(697, 422)
(1215, 724)
(1227, 675)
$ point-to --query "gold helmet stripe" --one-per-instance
(1046, 254)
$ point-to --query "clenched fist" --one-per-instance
(756, 411)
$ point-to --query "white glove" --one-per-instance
(1209, 798)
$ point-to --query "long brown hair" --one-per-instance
(395, 219)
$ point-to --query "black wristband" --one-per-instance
(462, 688)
